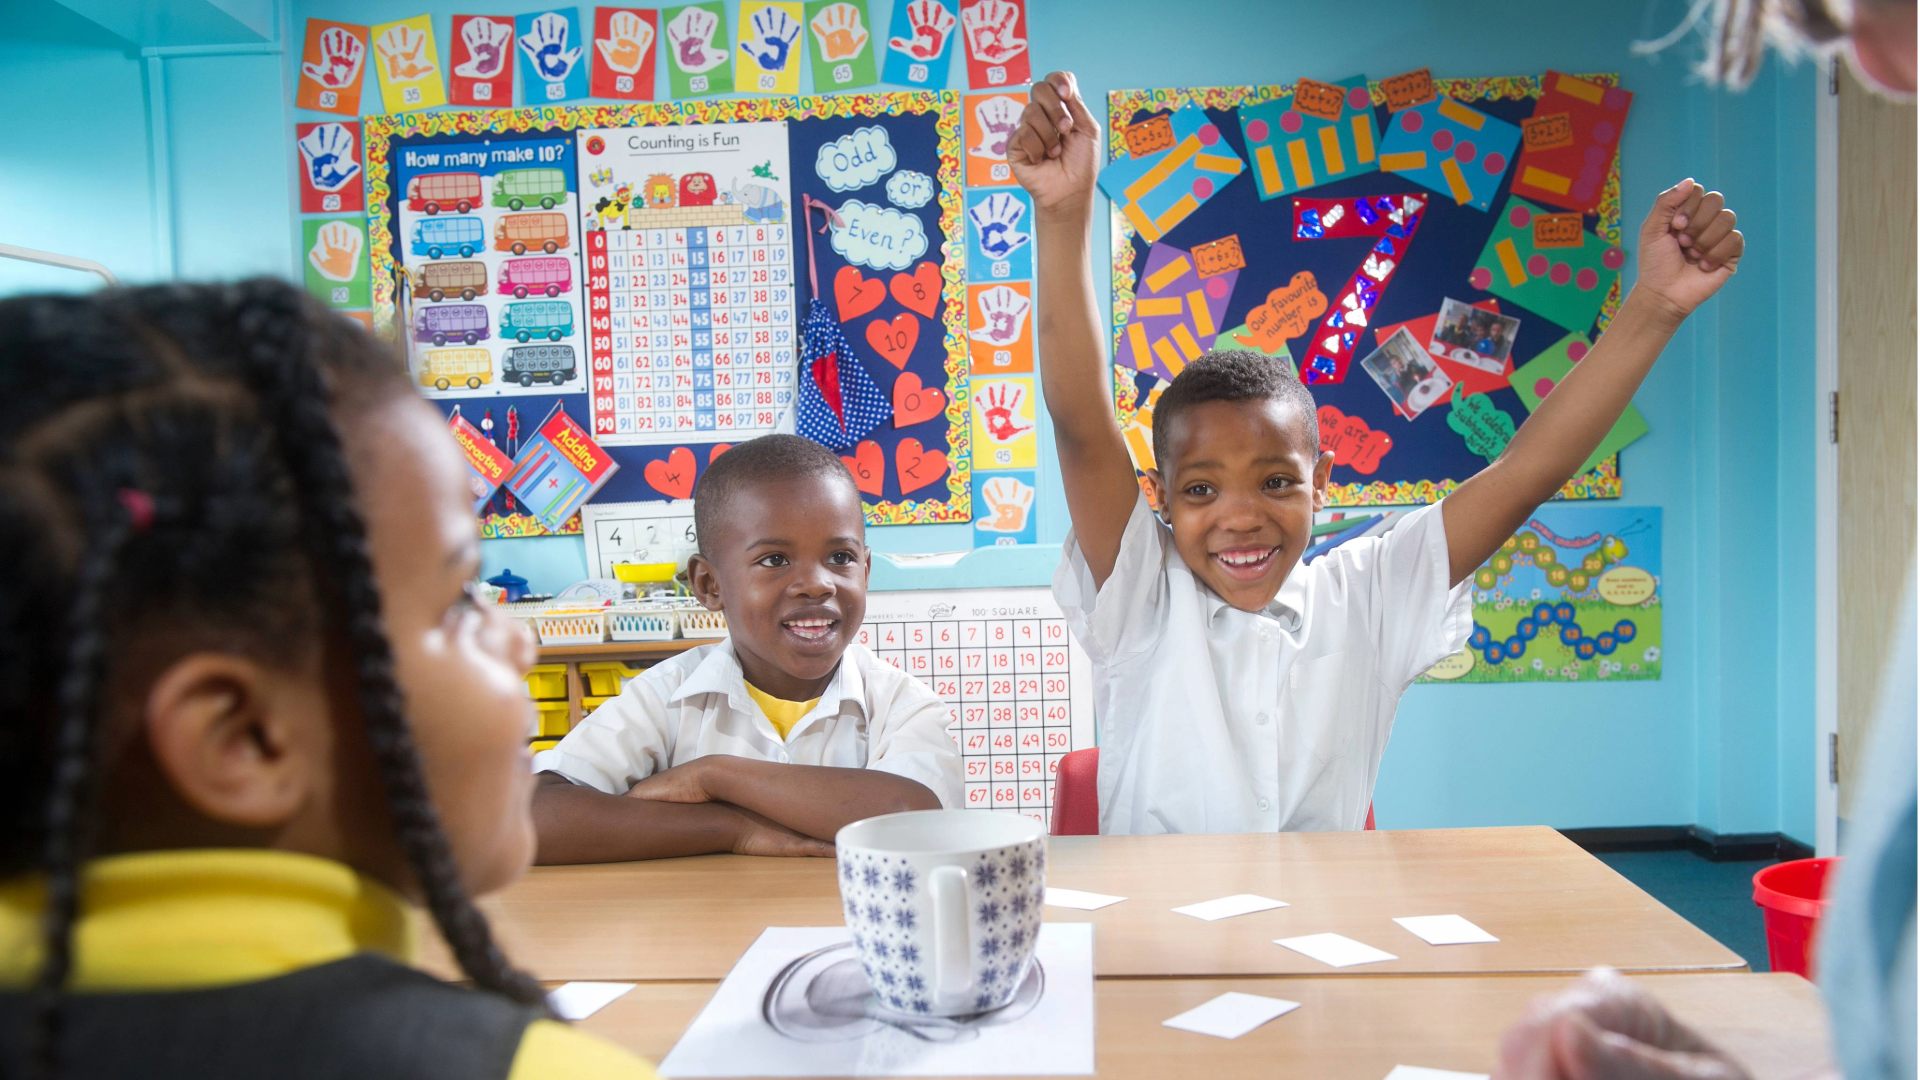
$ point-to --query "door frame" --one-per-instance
(1826, 462)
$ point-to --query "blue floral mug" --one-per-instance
(944, 906)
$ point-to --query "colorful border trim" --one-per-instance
(379, 132)
(1600, 482)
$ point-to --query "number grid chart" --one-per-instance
(700, 336)
(1017, 686)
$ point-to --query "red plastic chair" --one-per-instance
(1076, 795)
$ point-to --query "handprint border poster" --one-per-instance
(1373, 270)
(919, 466)
(333, 67)
(766, 58)
(991, 119)
(406, 60)
(623, 49)
(840, 41)
(699, 49)
(996, 35)
(330, 174)
(482, 73)
(920, 43)
(334, 256)
(553, 56)
(1006, 510)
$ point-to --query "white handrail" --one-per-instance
(65, 262)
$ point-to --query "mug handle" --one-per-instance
(952, 939)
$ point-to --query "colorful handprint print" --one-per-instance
(403, 54)
(628, 41)
(1005, 313)
(408, 65)
(1003, 248)
(331, 67)
(920, 55)
(691, 35)
(336, 261)
(552, 52)
(328, 151)
(622, 59)
(996, 33)
(842, 58)
(770, 39)
(547, 47)
(488, 48)
(1001, 402)
(1004, 506)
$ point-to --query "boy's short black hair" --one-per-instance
(1234, 375)
(769, 459)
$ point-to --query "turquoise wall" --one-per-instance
(184, 164)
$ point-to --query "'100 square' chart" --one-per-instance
(690, 281)
(1017, 686)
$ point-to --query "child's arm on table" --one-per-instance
(1688, 249)
(577, 824)
(812, 800)
(1055, 155)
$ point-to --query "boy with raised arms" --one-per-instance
(770, 741)
(1235, 690)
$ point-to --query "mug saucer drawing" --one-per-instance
(824, 996)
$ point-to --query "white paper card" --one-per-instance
(1081, 901)
(1231, 1015)
(579, 1000)
(1417, 1072)
(1445, 930)
(731, 1036)
(1228, 906)
(1334, 949)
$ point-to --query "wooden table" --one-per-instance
(1554, 907)
(1347, 1028)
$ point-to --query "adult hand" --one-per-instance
(1606, 1028)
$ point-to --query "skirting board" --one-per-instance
(1715, 847)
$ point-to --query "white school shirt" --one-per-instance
(1217, 720)
(871, 716)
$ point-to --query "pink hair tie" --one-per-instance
(139, 507)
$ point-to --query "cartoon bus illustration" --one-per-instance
(430, 192)
(522, 277)
(520, 233)
(698, 189)
(443, 368)
(437, 281)
(443, 236)
(516, 188)
(465, 323)
(529, 364)
(550, 319)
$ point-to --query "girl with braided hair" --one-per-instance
(249, 706)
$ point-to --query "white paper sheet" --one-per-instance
(1334, 949)
(1228, 906)
(579, 1000)
(731, 1038)
(1231, 1015)
(1417, 1072)
(1080, 901)
(1445, 930)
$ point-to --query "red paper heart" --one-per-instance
(674, 476)
(855, 295)
(913, 402)
(919, 290)
(894, 340)
(917, 466)
(869, 468)
(718, 449)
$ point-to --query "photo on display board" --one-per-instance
(1408, 374)
(1473, 336)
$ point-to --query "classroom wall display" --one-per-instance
(996, 35)
(622, 60)
(553, 51)
(333, 67)
(336, 265)
(637, 532)
(991, 120)
(1018, 688)
(580, 248)
(1331, 245)
(768, 57)
(698, 48)
(406, 61)
(482, 66)
(1573, 595)
(920, 49)
(330, 181)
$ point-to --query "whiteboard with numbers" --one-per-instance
(1018, 688)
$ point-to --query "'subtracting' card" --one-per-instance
(1228, 906)
(1231, 1015)
(1335, 950)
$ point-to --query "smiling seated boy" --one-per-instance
(1237, 691)
(770, 741)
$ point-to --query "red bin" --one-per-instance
(1791, 896)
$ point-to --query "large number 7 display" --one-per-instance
(1393, 219)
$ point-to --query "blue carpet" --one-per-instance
(1716, 897)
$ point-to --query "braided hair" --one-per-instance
(170, 471)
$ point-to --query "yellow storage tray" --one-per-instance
(538, 745)
(547, 682)
(587, 705)
(553, 717)
(604, 678)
